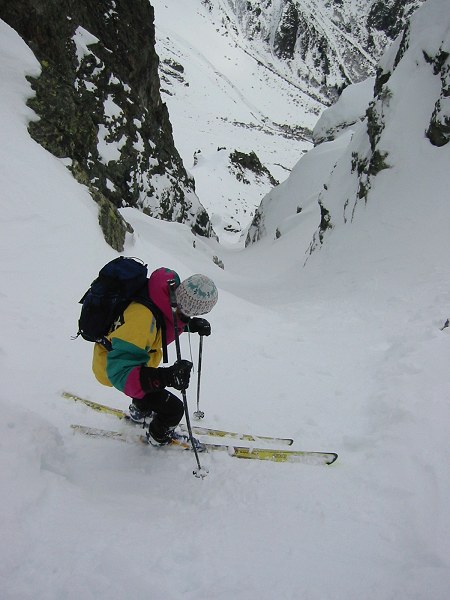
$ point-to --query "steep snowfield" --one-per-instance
(345, 354)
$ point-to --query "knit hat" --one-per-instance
(196, 295)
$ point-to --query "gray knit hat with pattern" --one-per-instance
(196, 295)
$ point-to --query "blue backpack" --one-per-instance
(119, 282)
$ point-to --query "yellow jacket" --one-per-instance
(136, 342)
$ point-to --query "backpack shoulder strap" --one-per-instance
(144, 299)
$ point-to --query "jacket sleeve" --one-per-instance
(135, 343)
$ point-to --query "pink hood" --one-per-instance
(158, 290)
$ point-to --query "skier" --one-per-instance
(131, 365)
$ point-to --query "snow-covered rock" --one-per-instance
(348, 110)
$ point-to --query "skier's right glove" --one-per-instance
(176, 376)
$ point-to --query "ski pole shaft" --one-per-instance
(199, 414)
(173, 304)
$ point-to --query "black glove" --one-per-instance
(200, 326)
(176, 376)
(152, 379)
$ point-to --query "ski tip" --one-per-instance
(333, 458)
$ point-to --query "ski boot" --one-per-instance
(139, 415)
(170, 436)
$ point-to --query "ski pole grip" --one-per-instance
(172, 287)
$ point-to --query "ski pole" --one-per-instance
(200, 471)
(199, 414)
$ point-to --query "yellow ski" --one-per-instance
(121, 414)
(280, 456)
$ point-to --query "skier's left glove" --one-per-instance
(200, 326)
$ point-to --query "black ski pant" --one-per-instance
(168, 409)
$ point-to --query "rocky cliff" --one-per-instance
(99, 107)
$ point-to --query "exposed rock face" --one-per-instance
(242, 162)
(389, 17)
(287, 32)
(439, 130)
(98, 99)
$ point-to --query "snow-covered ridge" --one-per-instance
(384, 124)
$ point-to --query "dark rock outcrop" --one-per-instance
(439, 130)
(98, 99)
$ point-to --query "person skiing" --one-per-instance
(131, 364)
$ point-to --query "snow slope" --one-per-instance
(345, 354)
